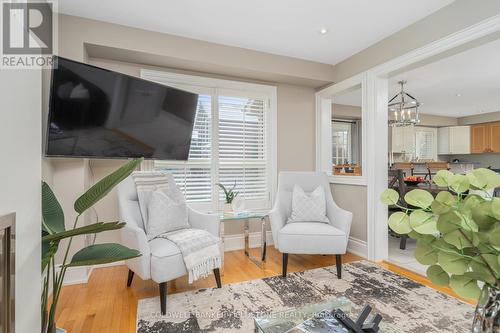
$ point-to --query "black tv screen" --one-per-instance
(97, 113)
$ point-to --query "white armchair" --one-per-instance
(161, 259)
(308, 237)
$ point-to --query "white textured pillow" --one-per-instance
(308, 207)
(167, 211)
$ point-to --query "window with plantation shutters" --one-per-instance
(425, 143)
(194, 176)
(242, 146)
(230, 142)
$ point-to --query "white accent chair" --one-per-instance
(308, 237)
(161, 259)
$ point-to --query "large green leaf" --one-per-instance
(457, 239)
(88, 229)
(470, 203)
(494, 235)
(479, 238)
(465, 286)
(469, 224)
(492, 261)
(481, 272)
(423, 222)
(459, 183)
(495, 208)
(419, 198)
(400, 223)
(101, 188)
(449, 222)
(442, 177)
(443, 202)
(437, 275)
(427, 239)
(453, 262)
(52, 213)
(425, 254)
(389, 197)
(483, 216)
(483, 179)
(102, 254)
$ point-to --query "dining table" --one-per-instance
(429, 187)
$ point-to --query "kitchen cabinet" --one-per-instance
(495, 137)
(403, 140)
(454, 140)
(485, 138)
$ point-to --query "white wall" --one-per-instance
(354, 199)
(20, 174)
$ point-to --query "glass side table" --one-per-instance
(246, 217)
(283, 321)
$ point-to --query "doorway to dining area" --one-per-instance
(450, 121)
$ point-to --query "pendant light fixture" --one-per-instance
(403, 109)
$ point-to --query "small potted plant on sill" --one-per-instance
(54, 230)
(458, 236)
(229, 196)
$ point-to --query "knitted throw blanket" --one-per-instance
(200, 250)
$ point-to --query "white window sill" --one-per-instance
(348, 180)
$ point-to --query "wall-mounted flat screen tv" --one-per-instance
(97, 113)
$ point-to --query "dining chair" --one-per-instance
(396, 182)
(434, 167)
(405, 167)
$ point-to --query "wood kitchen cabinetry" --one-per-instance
(485, 138)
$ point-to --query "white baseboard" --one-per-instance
(76, 275)
(237, 241)
(357, 247)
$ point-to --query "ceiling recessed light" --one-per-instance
(323, 31)
(458, 95)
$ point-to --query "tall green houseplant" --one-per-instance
(54, 230)
(458, 236)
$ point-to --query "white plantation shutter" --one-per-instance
(243, 149)
(341, 143)
(229, 143)
(426, 143)
(194, 176)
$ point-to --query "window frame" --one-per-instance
(347, 142)
(433, 131)
(219, 87)
(324, 101)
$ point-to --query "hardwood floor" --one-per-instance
(105, 304)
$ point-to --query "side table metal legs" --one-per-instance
(262, 258)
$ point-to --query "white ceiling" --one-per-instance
(284, 27)
(473, 74)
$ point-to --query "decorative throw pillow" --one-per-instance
(167, 211)
(308, 207)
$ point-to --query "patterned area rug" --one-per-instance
(406, 306)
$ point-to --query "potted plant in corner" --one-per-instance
(54, 230)
(458, 236)
(229, 196)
